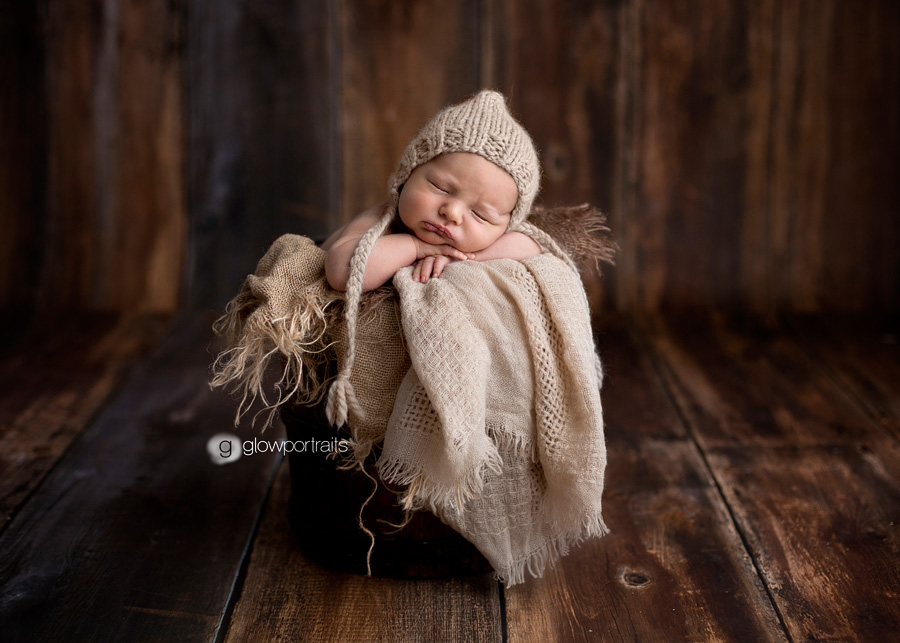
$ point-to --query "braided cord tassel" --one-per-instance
(341, 396)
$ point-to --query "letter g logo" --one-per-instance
(223, 448)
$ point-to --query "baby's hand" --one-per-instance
(512, 245)
(424, 250)
(430, 267)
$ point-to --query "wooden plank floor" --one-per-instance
(753, 493)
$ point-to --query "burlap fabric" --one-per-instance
(287, 313)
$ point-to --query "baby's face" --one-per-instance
(458, 199)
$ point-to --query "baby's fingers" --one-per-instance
(453, 253)
(422, 269)
(417, 270)
(439, 264)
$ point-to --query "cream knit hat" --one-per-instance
(479, 125)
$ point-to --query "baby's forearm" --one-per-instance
(391, 252)
(512, 245)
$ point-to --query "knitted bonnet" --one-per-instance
(479, 125)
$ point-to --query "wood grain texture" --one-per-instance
(72, 34)
(863, 355)
(673, 566)
(761, 505)
(754, 139)
(286, 597)
(149, 213)
(834, 151)
(811, 479)
(742, 383)
(115, 231)
(559, 65)
(135, 535)
(400, 63)
(745, 151)
(822, 524)
(55, 378)
(681, 239)
(263, 119)
(23, 155)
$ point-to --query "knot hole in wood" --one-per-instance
(635, 579)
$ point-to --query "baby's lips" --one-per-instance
(440, 230)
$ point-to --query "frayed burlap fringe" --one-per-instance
(286, 324)
(581, 230)
(298, 340)
(303, 344)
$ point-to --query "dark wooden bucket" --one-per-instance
(324, 509)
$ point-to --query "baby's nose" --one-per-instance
(452, 211)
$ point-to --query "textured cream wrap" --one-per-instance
(497, 428)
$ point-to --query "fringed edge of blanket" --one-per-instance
(538, 561)
(546, 556)
(422, 491)
(299, 339)
(511, 442)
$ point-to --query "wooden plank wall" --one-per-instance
(262, 118)
(745, 151)
(22, 158)
(92, 162)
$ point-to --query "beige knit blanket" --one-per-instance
(497, 428)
